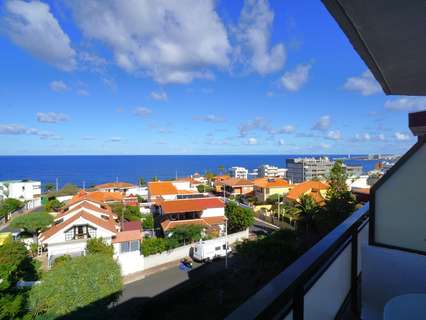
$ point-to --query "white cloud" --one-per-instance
(401, 136)
(32, 26)
(381, 137)
(58, 86)
(52, 117)
(88, 138)
(82, 92)
(323, 123)
(363, 137)
(170, 41)
(160, 96)
(209, 118)
(406, 104)
(334, 135)
(281, 142)
(253, 36)
(142, 112)
(17, 129)
(295, 79)
(286, 129)
(324, 145)
(258, 123)
(252, 141)
(115, 139)
(364, 84)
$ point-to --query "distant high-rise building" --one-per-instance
(302, 169)
(271, 172)
(238, 172)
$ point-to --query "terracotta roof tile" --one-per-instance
(114, 185)
(270, 183)
(130, 235)
(190, 205)
(168, 224)
(233, 182)
(160, 188)
(96, 196)
(305, 187)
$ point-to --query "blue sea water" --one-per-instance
(99, 169)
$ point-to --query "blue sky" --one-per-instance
(188, 77)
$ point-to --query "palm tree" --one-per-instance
(307, 208)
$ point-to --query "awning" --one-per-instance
(389, 35)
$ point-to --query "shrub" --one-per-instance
(32, 222)
(186, 233)
(92, 281)
(147, 221)
(153, 245)
(99, 246)
(10, 205)
(130, 213)
(53, 205)
(61, 260)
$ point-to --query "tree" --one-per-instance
(339, 202)
(209, 176)
(307, 208)
(61, 260)
(154, 179)
(130, 213)
(33, 222)
(221, 169)
(238, 218)
(91, 282)
(67, 190)
(186, 233)
(147, 221)
(274, 199)
(142, 181)
(53, 205)
(99, 246)
(15, 264)
(49, 187)
(10, 205)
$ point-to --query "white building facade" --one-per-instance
(27, 191)
(268, 171)
(238, 172)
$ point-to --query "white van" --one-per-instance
(210, 249)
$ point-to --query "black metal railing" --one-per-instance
(286, 292)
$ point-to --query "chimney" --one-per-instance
(417, 123)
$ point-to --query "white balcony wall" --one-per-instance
(325, 298)
(400, 220)
(386, 274)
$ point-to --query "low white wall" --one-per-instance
(130, 262)
(182, 252)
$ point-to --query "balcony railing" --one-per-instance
(321, 284)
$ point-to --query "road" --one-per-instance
(160, 282)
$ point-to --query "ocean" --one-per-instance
(100, 169)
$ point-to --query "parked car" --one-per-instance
(210, 249)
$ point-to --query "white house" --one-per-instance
(25, 190)
(170, 190)
(87, 219)
(238, 172)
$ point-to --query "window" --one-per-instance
(130, 246)
(69, 235)
(92, 232)
(217, 248)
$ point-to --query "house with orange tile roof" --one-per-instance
(97, 196)
(266, 187)
(85, 219)
(316, 189)
(121, 187)
(169, 190)
(234, 187)
(218, 183)
(208, 212)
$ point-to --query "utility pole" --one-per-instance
(122, 219)
(278, 207)
(57, 184)
(84, 185)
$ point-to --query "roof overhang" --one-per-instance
(389, 37)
